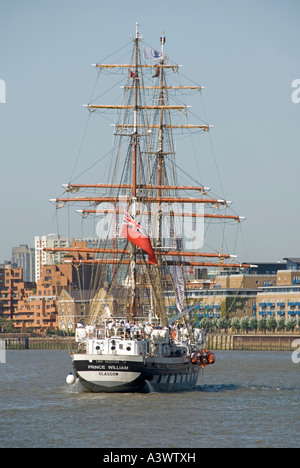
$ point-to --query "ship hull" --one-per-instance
(124, 374)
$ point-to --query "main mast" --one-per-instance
(134, 171)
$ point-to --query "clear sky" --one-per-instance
(245, 52)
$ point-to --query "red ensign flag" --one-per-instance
(135, 233)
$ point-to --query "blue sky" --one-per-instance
(245, 53)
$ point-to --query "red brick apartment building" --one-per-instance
(29, 305)
(12, 288)
(33, 306)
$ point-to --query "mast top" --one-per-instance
(162, 41)
(137, 32)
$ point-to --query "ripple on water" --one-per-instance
(246, 399)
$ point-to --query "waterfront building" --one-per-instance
(281, 300)
(36, 313)
(45, 258)
(229, 295)
(64, 290)
(38, 308)
(72, 308)
(266, 268)
(34, 305)
(75, 306)
(50, 241)
(245, 281)
(292, 263)
(24, 257)
(12, 290)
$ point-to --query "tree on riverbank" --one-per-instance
(7, 326)
(245, 324)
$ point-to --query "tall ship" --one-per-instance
(139, 331)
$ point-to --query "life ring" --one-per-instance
(82, 335)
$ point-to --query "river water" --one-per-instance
(247, 399)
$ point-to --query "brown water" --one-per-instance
(247, 399)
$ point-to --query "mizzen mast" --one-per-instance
(160, 155)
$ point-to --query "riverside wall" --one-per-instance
(19, 342)
(215, 341)
(268, 342)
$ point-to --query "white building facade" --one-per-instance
(46, 258)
